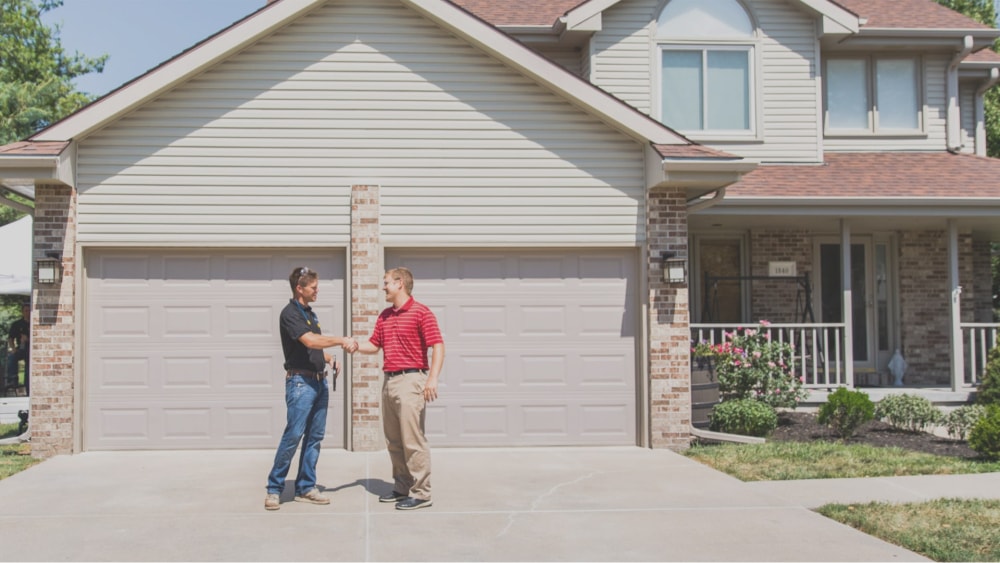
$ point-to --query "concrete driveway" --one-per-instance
(538, 504)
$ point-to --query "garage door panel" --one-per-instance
(540, 422)
(190, 357)
(540, 344)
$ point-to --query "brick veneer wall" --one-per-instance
(775, 300)
(669, 334)
(366, 301)
(52, 325)
(924, 297)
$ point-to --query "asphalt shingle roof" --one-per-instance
(34, 148)
(876, 175)
(909, 14)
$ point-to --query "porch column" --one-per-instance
(54, 413)
(669, 333)
(366, 283)
(848, 306)
(955, 308)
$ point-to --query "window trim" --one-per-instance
(749, 46)
(871, 78)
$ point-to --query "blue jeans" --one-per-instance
(13, 359)
(306, 400)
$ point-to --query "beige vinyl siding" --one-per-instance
(935, 118)
(622, 53)
(789, 94)
(785, 67)
(570, 59)
(264, 147)
(967, 107)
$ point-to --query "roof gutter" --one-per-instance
(981, 110)
(953, 116)
(699, 203)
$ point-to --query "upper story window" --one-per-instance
(873, 95)
(706, 50)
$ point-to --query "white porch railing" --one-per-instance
(819, 348)
(978, 340)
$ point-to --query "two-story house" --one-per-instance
(547, 169)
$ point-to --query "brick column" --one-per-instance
(366, 304)
(52, 325)
(669, 333)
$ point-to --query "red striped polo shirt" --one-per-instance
(405, 334)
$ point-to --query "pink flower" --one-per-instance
(756, 354)
(764, 323)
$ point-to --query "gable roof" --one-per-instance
(908, 14)
(447, 14)
(905, 175)
(526, 13)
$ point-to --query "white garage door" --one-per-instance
(182, 346)
(540, 346)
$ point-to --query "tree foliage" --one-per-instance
(982, 11)
(36, 73)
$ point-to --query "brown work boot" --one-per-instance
(272, 502)
(314, 497)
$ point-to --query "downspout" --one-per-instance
(699, 203)
(981, 111)
(954, 118)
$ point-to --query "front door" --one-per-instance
(871, 303)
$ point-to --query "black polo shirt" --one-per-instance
(17, 329)
(295, 321)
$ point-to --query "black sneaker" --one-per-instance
(392, 497)
(411, 503)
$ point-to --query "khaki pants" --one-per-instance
(403, 423)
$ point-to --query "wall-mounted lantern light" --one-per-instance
(49, 269)
(674, 267)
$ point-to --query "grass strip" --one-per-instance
(943, 529)
(782, 461)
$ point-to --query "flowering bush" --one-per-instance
(750, 365)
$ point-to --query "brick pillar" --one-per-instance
(52, 325)
(669, 333)
(366, 304)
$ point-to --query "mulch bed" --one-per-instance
(803, 427)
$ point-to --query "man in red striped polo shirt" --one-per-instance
(404, 332)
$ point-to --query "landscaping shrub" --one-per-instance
(746, 417)
(750, 365)
(985, 435)
(961, 420)
(845, 411)
(908, 412)
(989, 386)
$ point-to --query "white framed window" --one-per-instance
(873, 95)
(706, 79)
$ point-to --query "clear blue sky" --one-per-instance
(139, 34)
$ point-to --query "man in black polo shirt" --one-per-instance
(306, 392)
(18, 348)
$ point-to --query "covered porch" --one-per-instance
(852, 261)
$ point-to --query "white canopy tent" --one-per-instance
(15, 257)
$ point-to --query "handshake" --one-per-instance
(350, 345)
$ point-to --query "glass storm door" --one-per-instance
(862, 304)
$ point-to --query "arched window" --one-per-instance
(704, 19)
(706, 52)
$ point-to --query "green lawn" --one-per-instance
(14, 458)
(942, 530)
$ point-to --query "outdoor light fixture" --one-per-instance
(49, 268)
(674, 267)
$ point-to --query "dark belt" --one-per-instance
(317, 375)
(401, 372)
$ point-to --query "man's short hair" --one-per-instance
(404, 275)
(301, 277)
